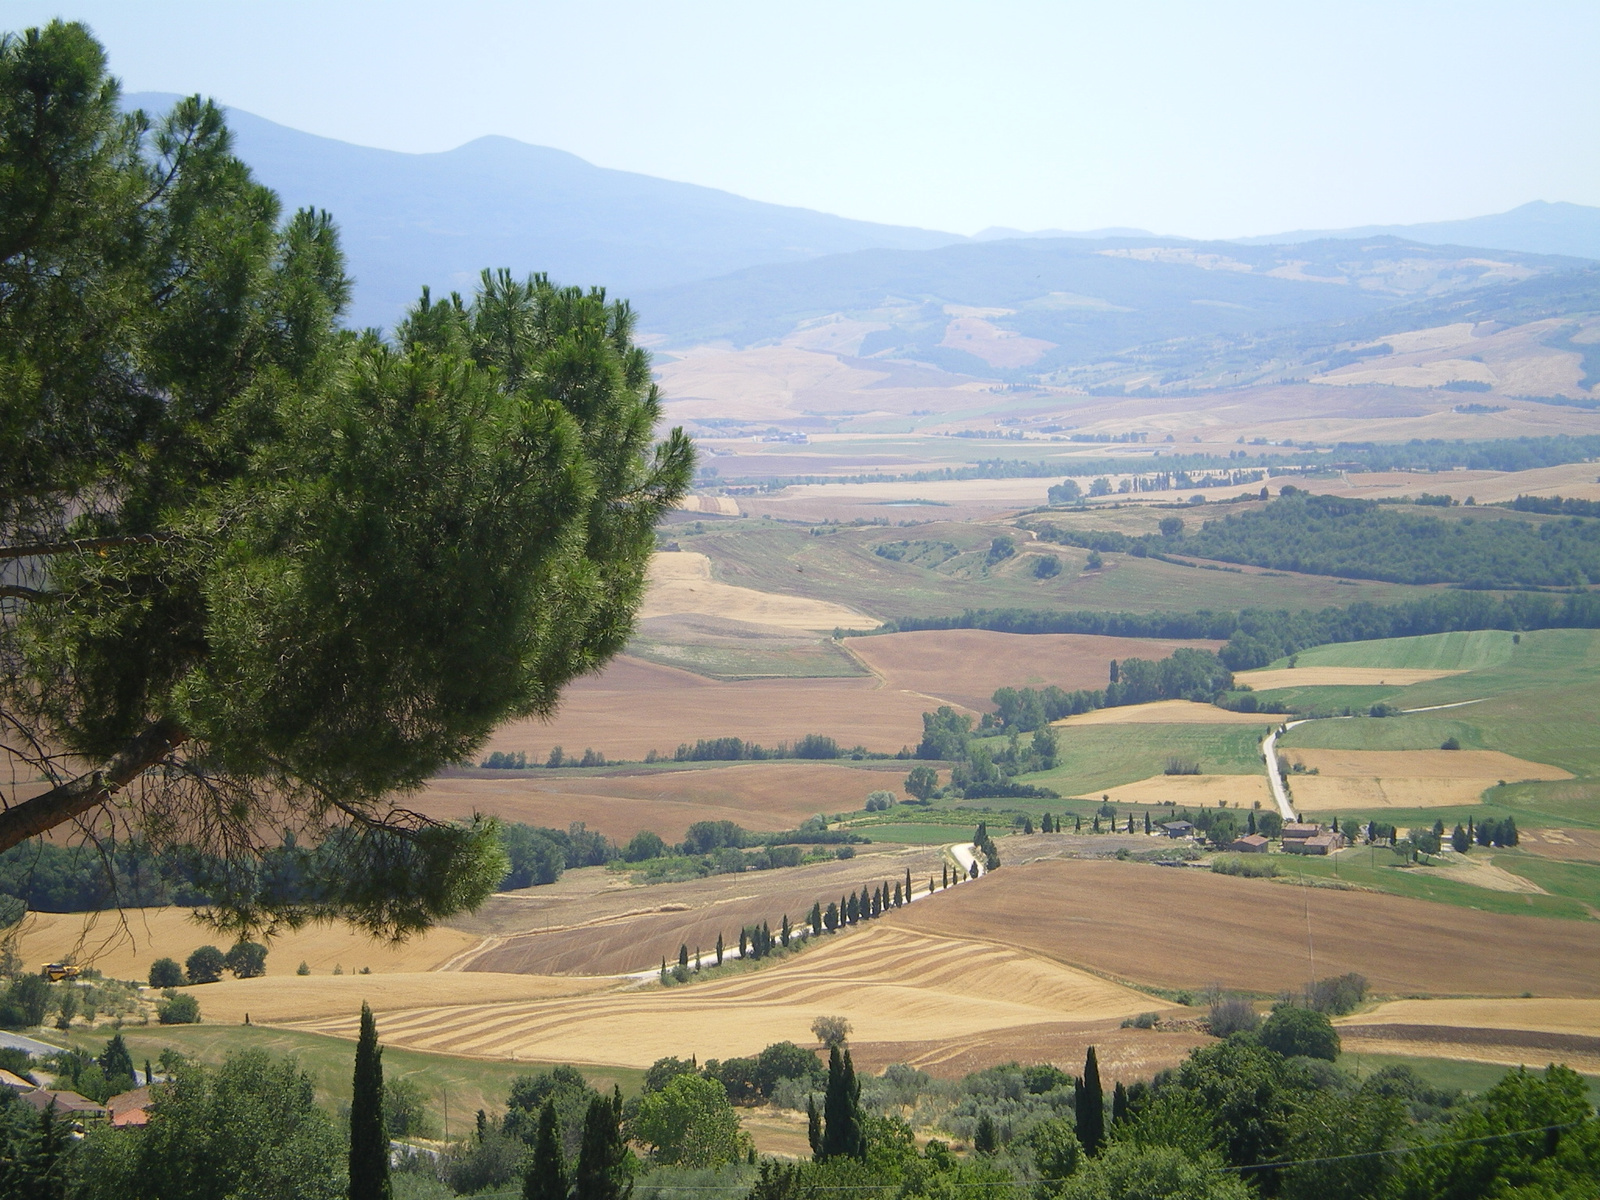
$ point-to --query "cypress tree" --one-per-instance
(842, 1133)
(972, 871)
(744, 943)
(908, 885)
(897, 900)
(601, 1155)
(697, 957)
(1077, 823)
(984, 1139)
(1119, 1104)
(816, 919)
(663, 968)
(1091, 1106)
(683, 955)
(482, 1126)
(546, 1177)
(1044, 823)
(369, 1140)
(1147, 820)
(719, 949)
(945, 873)
(981, 834)
(1250, 823)
(930, 885)
(814, 1127)
(149, 1076)
(785, 934)
(1097, 822)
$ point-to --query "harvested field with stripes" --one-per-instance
(1512, 1032)
(893, 984)
(1191, 929)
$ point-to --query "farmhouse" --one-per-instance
(1322, 843)
(1250, 843)
(130, 1109)
(1177, 829)
(1298, 831)
(70, 1105)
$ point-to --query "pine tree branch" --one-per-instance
(67, 800)
(77, 545)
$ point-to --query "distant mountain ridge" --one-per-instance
(438, 219)
(1539, 227)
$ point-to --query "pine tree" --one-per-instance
(1091, 1106)
(546, 1176)
(814, 1127)
(1119, 1104)
(369, 1139)
(602, 1155)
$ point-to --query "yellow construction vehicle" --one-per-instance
(56, 972)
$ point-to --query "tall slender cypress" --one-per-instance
(546, 1177)
(841, 1112)
(1091, 1106)
(369, 1140)
(1119, 1104)
(814, 1127)
(601, 1155)
(908, 885)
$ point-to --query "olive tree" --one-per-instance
(261, 575)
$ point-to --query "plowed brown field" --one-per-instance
(759, 796)
(894, 985)
(631, 929)
(965, 666)
(1189, 928)
(634, 707)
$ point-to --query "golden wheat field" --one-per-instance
(892, 984)
(1237, 791)
(1510, 1032)
(1348, 780)
(124, 945)
(278, 1001)
(1170, 712)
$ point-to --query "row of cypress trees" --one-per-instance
(600, 1173)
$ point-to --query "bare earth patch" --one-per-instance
(1337, 677)
(1170, 712)
(1132, 921)
(633, 707)
(965, 666)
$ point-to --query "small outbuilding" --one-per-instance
(1177, 829)
(1250, 843)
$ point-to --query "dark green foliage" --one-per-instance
(166, 973)
(644, 845)
(115, 1062)
(36, 1157)
(1090, 1106)
(369, 1135)
(1293, 1031)
(205, 965)
(663, 1071)
(944, 734)
(985, 1140)
(246, 960)
(533, 856)
(843, 1132)
(294, 567)
(546, 1176)
(249, 1128)
(568, 1090)
(732, 749)
(1497, 831)
(603, 1158)
(178, 1008)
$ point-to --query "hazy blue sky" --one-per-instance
(1206, 119)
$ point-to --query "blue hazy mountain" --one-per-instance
(1536, 228)
(438, 219)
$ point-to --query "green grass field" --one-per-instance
(1448, 1073)
(1096, 757)
(821, 659)
(466, 1084)
(838, 564)
(1471, 651)
(1370, 867)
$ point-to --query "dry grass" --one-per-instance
(635, 706)
(965, 666)
(1550, 1016)
(1122, 1053)
(1187, 928)
(1170, 712)
(1580, 845)
(1364, 779)
(1239, 791)
(123, 945)
(318, 997)
(758, 796)
(680, 582)
(893, 985)
(1337, 677)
